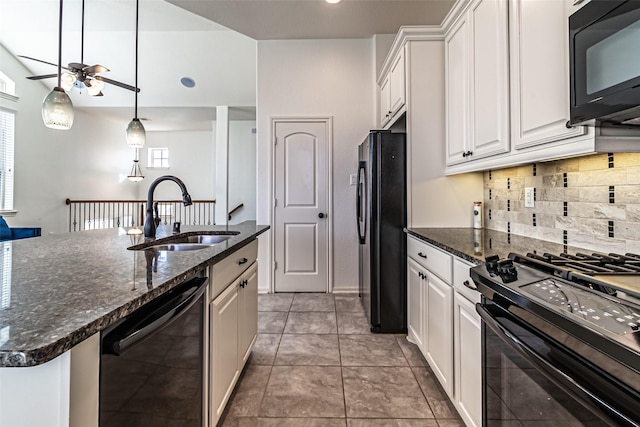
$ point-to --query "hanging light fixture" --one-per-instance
(136, 134)
(136, 173)
(57, 109)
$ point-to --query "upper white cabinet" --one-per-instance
(539, 73)
(477, 85)
(393, 90)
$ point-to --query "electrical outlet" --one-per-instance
(529, 201)
(353, 179)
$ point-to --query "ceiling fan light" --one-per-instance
(94, 87)
(136, 173)
(136, 135)
(67, 81)
(57, 110)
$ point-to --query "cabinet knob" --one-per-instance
(421, 255)
(242, 261)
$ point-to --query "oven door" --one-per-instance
(528, 378)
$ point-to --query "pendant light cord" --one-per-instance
(136, 77)
(82, 38)
(60, 47)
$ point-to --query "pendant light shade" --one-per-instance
(136, 135)
(136, 174)
(57, 109)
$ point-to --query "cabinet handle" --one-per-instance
(421, 255)
(242, 261)
(467, 153)
(243, 283)
(469, 285)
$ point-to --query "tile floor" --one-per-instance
(315, 364)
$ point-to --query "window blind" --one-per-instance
(7, 128)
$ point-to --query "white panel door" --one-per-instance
(457, 92)
(301, 201)
(439, 330)
(415, 303)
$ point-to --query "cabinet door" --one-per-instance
(490, 78)
(415, 303)
(467, 360)
(248, 312)
(385, 101)
(439, 328)
(224, 348)
(457, 90)
(539, 72)
(396, 81)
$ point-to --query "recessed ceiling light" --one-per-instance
(332, 1)
(187, 82)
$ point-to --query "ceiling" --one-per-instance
(211, 41)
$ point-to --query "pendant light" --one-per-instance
(136, 134)
(57, 109)
(136, 173)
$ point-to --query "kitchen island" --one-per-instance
(58, 292)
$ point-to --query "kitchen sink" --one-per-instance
(190, 241)
(178, 247)
(204, 239)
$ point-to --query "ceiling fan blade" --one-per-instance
(113, 82)
(99, 94)
(40, 60)
(44, 76)
(95, 69)
(77, 66)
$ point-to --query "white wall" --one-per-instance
(317, 78)
(89, 160)
(242, 170)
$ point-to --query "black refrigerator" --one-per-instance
(381, 209)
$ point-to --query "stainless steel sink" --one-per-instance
(188, 241)
(205, 239)
(179, 247)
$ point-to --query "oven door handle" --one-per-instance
(139, 326)
(561, 378)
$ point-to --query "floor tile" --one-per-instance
(411, 352)
(307, 349)
(353, 322)
(274, 302)
(383, 392)
(371, 350)
(313, 302)
(348, 303)
(311, 323)
(455, 423)
(271, 322)
(284, 422)
(369, 422)
(248, 394)
(438, 400)
(304, 391)
(265, 349)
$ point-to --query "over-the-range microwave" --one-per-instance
(604, 60)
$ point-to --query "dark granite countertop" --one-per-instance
(474, 245)
(58, 290)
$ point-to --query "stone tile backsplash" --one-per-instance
(591, 202)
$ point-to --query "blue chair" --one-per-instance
(7, 233)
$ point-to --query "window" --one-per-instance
(158, 158)
(7, 125)
(7, 85)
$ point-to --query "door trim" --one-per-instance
(328, 122)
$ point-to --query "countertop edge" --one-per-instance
(40, 355)
(445, 247)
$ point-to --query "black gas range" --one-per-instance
(569, 325)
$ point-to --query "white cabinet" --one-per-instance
(539, 73)
(467, 348)
(416, 295)
(439, 336)
(233, 317)
(393, 90)
(476, 62)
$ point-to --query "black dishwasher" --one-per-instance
(151, 363)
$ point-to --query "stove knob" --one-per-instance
(491, 262)
(507, 271)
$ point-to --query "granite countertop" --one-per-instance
(58, 290)
(474, 245)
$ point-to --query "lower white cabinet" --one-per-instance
(442, 321)
(233, 317)
(439, 330)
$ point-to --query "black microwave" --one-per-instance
(604, 61)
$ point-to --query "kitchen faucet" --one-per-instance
(149, 223)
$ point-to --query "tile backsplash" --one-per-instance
(591, 202)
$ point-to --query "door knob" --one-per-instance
(320, 215)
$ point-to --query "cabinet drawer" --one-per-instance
(227, 270)
(460, 276)
(434, 260)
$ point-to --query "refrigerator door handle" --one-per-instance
(362, 219)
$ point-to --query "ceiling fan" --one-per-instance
(81, 75)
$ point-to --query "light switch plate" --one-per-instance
(352, 179)
(529, 201)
